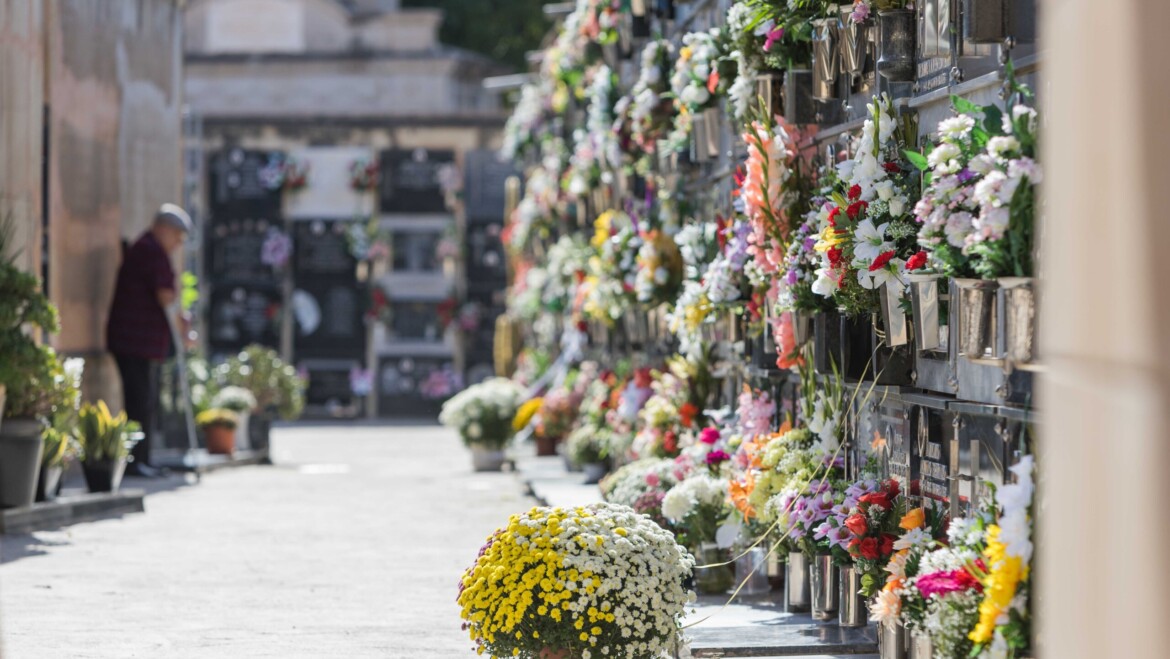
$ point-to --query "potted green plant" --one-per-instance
(219, 429)
(106, 441)
(279, 389)
(59, 438)
(587, 447)
(27, 371)
(241, 401)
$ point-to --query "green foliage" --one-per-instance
(190, 294)
(104, 436)
(220, 417)
(503, 31)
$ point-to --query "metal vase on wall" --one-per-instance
(751, 570)
(799, 106)
(920, 647)
(769, 88)
(712, 139)
(977, 302)
(797, 593)
(984, 21)
(825, 63)
(851, 611)
(895, 323)
(851, 38)
(924, 299)
(1017, 314)
(892, 641)
(823, 584)
(896, 56)
(699, 139)
(802, 327)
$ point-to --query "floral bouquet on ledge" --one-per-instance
(483, 413)
(596, 581)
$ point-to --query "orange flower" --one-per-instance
(913, 519)
(893, 584)
(740, 490)
(687, 414)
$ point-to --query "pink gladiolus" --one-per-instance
(774, 35)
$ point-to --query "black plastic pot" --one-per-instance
(852, 345)
(259, 430)
(104, 475)
(49, 483)
(827, 342)
(20, 461)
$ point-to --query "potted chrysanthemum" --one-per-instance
(482, 415)
(219, 429)
(601, 580)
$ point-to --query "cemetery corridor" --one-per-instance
(348, 546)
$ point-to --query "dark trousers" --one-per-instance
(140, 398)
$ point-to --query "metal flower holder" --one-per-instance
(851, 610)
(825, 59)
(797, 591)
(920, 647)
(799, 105)
(896, 53)
(1016, 312)
(751, 570)
(769, 87)
(699, 137)
(934, 328)
(851, 44)
(977, 306)
(823, 580)
(892, 641)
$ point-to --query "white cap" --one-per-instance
(175, 216)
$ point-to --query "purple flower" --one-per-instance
(717, 456)
(823, 530)
(860, 12)
(965, 175)
(792, 277)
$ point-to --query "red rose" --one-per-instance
(881, 261)
(857, 524)
(879, 499)
(582, 326)
(856, 208)
(852, 546)
(855, 193)
(894, 488)
(917, 261)
(869, 549)
(891, 167)
(887, 545)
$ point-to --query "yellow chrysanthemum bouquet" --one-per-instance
(583, 583)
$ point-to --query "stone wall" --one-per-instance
(22, 75)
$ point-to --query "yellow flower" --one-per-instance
(829, 239)
(999, 586)
(525, 413)
(685, 53)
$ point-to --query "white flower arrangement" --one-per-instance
(482, 413)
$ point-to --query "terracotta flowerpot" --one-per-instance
(221, 440)
(555, 653)
(546, 446)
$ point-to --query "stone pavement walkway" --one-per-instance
(350, 546)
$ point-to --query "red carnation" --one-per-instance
(669, 442)
(834, 255)
(857, 524)
(917, 261)
(869, 549)
(891, 167)
(836, 210)
(856, 208)
(855, 192)
(881, 261)
(687, 414)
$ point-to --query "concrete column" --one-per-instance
(1103, 589)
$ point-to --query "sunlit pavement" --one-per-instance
(351, 546)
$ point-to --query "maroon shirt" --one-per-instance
(138, 325)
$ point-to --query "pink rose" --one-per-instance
(652, 480)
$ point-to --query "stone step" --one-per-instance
(756, 626)
(71, 509)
